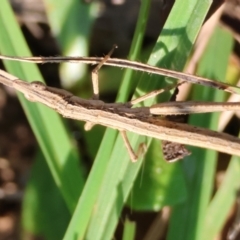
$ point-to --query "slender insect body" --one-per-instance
(140, 120)
(158, 128)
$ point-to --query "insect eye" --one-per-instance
(38, 85)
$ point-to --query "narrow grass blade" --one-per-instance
(162, 183)
(118, 173)
(61, 156)
(42, 202)
(129, 230)
(220, 206)
(188, 218)
(71, 22)
(95, 179)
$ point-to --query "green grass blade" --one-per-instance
(188, 219)
(221, 204)
(53, 139)
(119, 188)
(118, 173)
(84, 209)
(162, 183)
(125, 172)
(42, 202)
(128, 81)
(71, 22)
(129, 230)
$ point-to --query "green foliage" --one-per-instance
(60, 154)
(186, 186)
(189, 217)
(45, 212)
